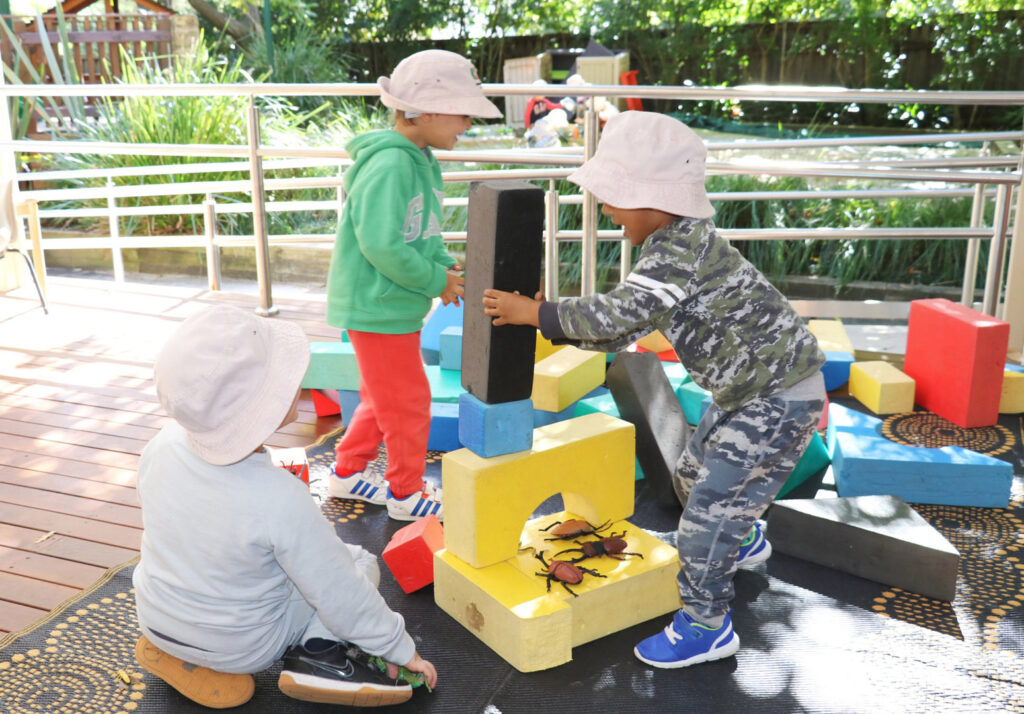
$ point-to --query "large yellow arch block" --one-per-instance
(589, 460)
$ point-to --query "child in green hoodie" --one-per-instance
(388, 265)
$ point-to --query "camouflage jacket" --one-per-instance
(737, 336)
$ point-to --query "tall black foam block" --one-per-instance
(646, 399)
(503, 251)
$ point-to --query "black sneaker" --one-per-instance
(338, 674)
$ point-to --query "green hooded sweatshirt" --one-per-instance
(389, 261)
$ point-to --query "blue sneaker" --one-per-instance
(686, 641)
(755, 548)
(360, 486)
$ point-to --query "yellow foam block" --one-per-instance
(545, 348)
(1011, 401)
(881, 387)
(655, 342)
(589, 460)
(508, 605)
(831, 335)
(567, 375)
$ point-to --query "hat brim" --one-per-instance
(610, 186)
(246, 431)
(472, 106)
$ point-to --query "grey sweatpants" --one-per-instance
(732, 468)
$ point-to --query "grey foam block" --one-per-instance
(880, 538)
(503, 250)
(645, 398)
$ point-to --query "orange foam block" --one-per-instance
(956, 355)
(409, 554)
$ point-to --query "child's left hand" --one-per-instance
(512, 308)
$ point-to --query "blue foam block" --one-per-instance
(349, 400)
(444, 427)
(865, 463)
(442, 317)
(495, 429)
(451, 348)
(836, 369)
(693, 400)
(1014, 367)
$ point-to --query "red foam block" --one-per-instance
(409, 554)
(323, 404)
(956, 355)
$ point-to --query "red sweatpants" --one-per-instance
(394, 407)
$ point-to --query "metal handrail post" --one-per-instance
(551, 264)
(259, 212)
(973, 247)
(997, 251)
(115, 235)
(588, 248)
(212, 254)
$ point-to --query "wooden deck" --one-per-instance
(77, 405)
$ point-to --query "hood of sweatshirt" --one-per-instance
(366, 145)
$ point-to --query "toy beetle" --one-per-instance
(564, 572)
(567, 530)
(614, 546)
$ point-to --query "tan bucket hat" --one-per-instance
(648, 160)
(436, 82)
(229, 378)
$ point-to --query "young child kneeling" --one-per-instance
(737, 336)
(239, 568)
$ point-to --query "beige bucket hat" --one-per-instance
(229, 378)
(648, 160)
(436, 82)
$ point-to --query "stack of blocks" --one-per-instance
(487, 577)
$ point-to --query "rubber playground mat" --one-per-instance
(813, 639)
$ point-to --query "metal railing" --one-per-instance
(981, 177)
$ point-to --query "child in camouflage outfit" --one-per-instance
(737, 336)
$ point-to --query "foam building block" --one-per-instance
(441, 318)
(444, 427)
(956, 356)
(676, 373)
(693, 400)
(450, 342)
(645, 399)
(567, 375)
(813, 460)
(881, 387)
(504, 247)
(445, 384)
(545, 348)
(409, 554)
(495, 429)
(865, 463)
(348, 400)
(1011, 398)
(836, 369)
(602, 402)
(332, 365)
(823, 421)
(831, 335)
(880, 538)
(654, 342)
(325, 402)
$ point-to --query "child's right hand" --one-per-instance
(453, 290)
(416, 664)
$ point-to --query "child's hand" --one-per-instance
(512, 308)
(417, 664)
(453, 290)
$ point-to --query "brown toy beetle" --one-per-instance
(614, 546)
(564, 572)
(567, 530)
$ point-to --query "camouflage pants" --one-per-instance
(726, 478)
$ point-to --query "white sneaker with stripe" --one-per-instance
(417, 505)
(360, 486)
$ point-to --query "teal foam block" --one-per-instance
(445, 384)
(542, 417)
(814, 459)
(444, 427)
(495, 429)
(866, 463)
(332, 365)
(443, 316)
(1014, 367)
(450, 342)
(836, 369)
(603, 403)
(693, 400)
(676, 373)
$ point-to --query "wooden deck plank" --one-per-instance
(94, 426)
(63, 503)
(48, 569)
(61, 546)
(117, 459)
(72, 526)
(67, 467)
(85, 488)
(14, 616)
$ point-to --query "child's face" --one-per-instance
(637, 223)
(441, 131)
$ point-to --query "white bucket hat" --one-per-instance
(229, 378)
(436, 82)
(648, 160)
